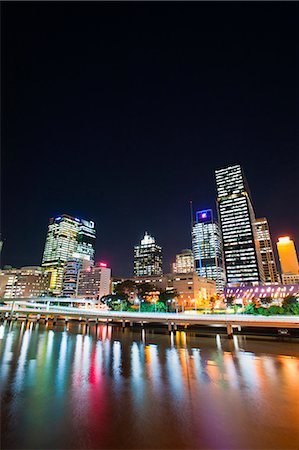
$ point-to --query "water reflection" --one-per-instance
(102, 387)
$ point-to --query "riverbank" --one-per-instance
(201, 330)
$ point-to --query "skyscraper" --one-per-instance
(266, 249)
(184, 262)
(147, 257)
(288, 260)
(94, 282)
(66, 236)
(207, 248)
(70, 273)
(243, 262)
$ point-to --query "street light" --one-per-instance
(153, 301)
(176, 305)
(137, 302)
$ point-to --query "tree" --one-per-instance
(212, 302)
(143, 289)
(125, 288)
(236, 307)
(265, 301)
(229, 301)
(262, 311)
(275, 310)
(116, 302)
(164, 296)
(289, 300)
(160, 307)
(290, 305)
(251, 309)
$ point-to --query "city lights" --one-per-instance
(178, 118)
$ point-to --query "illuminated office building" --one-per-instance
(207, 248)
(66, 236)
(147, 257)
(290, 278)
(192, 290)
(70, 273)
(94, 282)
(86, 239)
(184, 262)
(27, 282)
(266, 249)
(288, 260)
(242, 259)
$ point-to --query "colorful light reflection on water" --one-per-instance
(104, 387)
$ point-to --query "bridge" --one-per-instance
(46, 308)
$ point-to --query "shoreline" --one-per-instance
(289, 335)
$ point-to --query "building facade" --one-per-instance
(266, 250)
(94, 282)
(147, 257)
(207, 248)
(287, 256)
(184, 262)
(71, 271)
(192, 290)
(66, 237)
(242, 258)
(27, 282)
(246, 294)
(289, 278)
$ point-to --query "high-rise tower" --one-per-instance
(184, 262)
(67, 237)
(70, 273)
(207, 248)
(288, 260)
(147, 257)
(243, 262)
(266, 249)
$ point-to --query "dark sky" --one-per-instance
(120, 112)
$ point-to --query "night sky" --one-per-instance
(120, 113)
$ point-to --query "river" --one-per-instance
(101, 387)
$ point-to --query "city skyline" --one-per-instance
(170, 258)
(149, 272)
(128, 130)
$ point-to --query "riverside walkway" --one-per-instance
(47, 308)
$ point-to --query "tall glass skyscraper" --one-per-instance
(266, 249)
(67, 237)
(243, 263)
(147, 257)
(207, 248)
